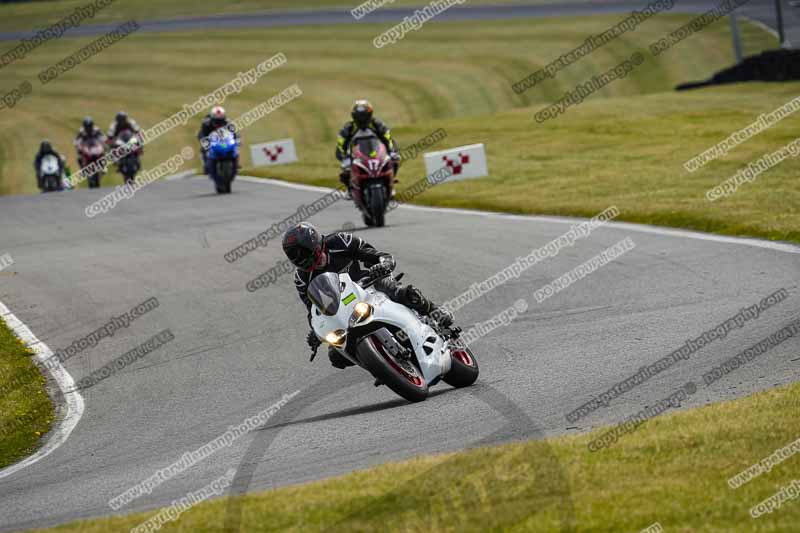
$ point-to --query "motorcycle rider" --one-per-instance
(122, 122)
(46, 148)
(215, 120)
(362, 119)
(88, 131)
(313, 254)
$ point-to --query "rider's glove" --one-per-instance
(388, 262)
(344, 174)
(313, 341)
(377, 271)
(385, 266)
(395, 157)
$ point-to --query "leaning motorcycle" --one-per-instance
(90, 151)
(406, 352)
(371, 177)
(222, 157)
(129, 165)
(50, 172)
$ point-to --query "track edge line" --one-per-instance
(75, 404)
(779, 246)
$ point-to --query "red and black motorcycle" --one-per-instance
(371, 177)
(90, 151)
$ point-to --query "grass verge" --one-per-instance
(673, 470)
(627, 152)
(444, 71)
(26, 411)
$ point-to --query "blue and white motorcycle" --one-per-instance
(222, 159)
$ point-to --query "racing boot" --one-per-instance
(415, 300)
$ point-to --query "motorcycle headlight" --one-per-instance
(361, 312)
(336, 338)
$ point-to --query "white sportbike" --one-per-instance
(402, 350)
(50, 172)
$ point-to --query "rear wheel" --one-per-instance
(464, 367)
(400, 375)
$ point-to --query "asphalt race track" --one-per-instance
(236, 352)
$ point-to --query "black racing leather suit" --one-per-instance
(208, 127)
(350, 128)
(117, 128)
(345, 137)
(84, 135)
(346, 253)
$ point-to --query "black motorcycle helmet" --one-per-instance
(88, 124)
(122, 117)
(362, 113)
(302, 244)
(46, 147)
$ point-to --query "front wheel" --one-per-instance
(464, 368)
(51, 184)
(128, 169)
(94, 181)
(377, 206)
(226, 171)
(398, 374)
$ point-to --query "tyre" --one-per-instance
(401, 376)
(94, 181)
(377, 206)
(226, 170)
(50, 183)
(464, 368)
(129, 170)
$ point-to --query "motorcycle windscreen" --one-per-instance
(49, 165)
(368, 146)
(222, 136)
(324, 293)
